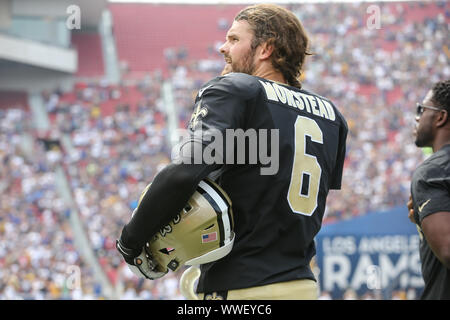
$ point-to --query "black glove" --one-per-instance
(140, 262)
(128, 254)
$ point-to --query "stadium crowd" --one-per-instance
(111, 160)
(374, 76)
(38, 259)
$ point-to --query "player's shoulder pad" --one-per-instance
(339, 115)
(237, 84)
(337, 112)
(435, 167)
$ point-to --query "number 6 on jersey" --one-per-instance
(306, 171)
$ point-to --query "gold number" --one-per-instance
(306, 171)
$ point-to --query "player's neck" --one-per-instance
(268, 72)
(437, 145)
(442, 138)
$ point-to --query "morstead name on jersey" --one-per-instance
(309, 103)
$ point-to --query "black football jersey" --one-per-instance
(430, 190)
(277, 150)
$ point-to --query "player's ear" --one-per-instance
(266, 50)
(441, 118)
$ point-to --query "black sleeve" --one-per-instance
(337, 173)
(164, 199)
(430, 191)
(222, 105)
(219, 106)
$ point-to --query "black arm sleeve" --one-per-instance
(220, 106)
(166, 197)
(338, 170)
(430, 186)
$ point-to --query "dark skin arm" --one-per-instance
(436, 228)
(410, 210)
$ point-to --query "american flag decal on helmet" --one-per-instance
(209, 237)
(221, 205)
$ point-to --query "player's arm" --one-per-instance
(431, 202)
(175, 184)
(410, 206)
(436, 228)
(166, 197)
(336, 179)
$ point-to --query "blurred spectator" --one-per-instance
(36, 243)
(350, 294)
(324, 295)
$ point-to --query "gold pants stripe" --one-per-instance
(303, 289)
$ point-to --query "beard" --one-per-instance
(245, 65)
(423, 138)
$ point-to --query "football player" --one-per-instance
(429, 205)
(278, 207)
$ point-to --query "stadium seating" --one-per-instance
(90, 56)
(13, 99)
(143, 32)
